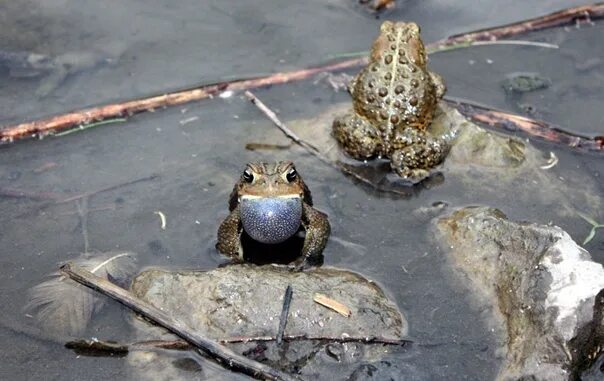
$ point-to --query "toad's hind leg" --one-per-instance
(357, 136)
(416, 153)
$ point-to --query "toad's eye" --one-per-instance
(291, 175)
(248, 176)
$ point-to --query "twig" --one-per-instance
(431, 48)
(469, 44)
(82, 207)
(108, 260)
(532, 127)
(227, 357)
(109, 188)
(273, 117)
(287, 299)
(335, 339)
(108, 348)
(91, 125)
(46, 126)
(18, 193)
(97, 348)
(332, 304)
(266, 146)
(101, 208)
(564, 17)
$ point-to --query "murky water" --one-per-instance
(188, 158)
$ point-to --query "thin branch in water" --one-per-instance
(572, 15)
(108, 261)
(335, 339)
(534, 128)
(82, 207)
(266, 146)
(96, 347)
(469, 44)
(109, 188)
(516, 42)
(227, 357)
(432, 49)
(18, 193)
(273, 117)
(91, 125)
(287, 299)
(102, 208)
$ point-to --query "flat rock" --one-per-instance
(542, 287)
(480, 162)
(246, 300)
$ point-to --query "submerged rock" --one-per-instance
(518, 83)
(481, 165)
(541, 286)
(246, 300)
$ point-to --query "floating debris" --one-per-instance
(551, 162)
(162, 218)
(594, 226)
(332, 304)
(64, 307)
(188, 120)
(266, 146)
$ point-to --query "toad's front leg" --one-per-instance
(229, 236)
(317, 229)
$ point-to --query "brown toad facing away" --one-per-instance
(394, 99)
(271, 203)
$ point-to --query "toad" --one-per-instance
(271, 203)
(394, 99)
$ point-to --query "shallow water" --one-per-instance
(188, 169)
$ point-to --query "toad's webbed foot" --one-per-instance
(416, 153)
(357, 136)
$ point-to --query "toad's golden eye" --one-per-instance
(291, 174)
(248, 176)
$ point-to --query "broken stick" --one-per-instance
(226, 357)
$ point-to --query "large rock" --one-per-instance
(542, 288)
(246, 300)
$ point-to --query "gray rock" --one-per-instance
(518, 83)
(246, 300)
(482, 163)
(542, 287)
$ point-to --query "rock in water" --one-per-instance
(246, 300)
(542, 287)
(481, 165)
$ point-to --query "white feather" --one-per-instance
(65, 307)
